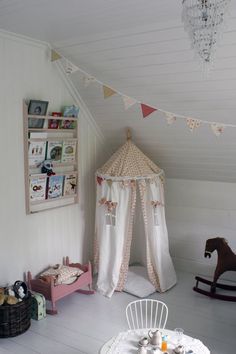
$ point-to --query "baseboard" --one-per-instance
(198, 268)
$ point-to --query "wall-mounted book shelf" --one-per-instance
(55, 140)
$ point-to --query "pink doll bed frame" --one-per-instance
(53, 292)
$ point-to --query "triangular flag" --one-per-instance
(128, 101)
(217, 128)
(88, 79)
(70, 68)
(54, 55)
(146, 110)
(193, 123)
(170, 118)
(108, 92)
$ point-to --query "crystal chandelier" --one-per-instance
(203, 20)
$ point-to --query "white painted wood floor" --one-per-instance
(85, 322)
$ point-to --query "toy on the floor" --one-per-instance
(54, 291)
(226, 261)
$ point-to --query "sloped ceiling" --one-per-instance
(140, 48)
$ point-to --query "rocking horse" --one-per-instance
(226, 261)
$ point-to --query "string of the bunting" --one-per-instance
(146, 110)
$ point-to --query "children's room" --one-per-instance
(118, 177)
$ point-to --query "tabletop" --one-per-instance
(127, 343)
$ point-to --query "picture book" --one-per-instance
(68, 151)
(53, 124)
(54, 151)
(36, 153)
(55, 186)
(71, 111)
(70, 184)
(67, 124)
(38, 187)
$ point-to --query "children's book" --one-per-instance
(71, 111)
(54, 150)
(70, 184)
(67, 124)
(36, 153)
(55, 186)
(68, 151)
(38, 188)
(53, 123)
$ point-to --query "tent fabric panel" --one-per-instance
(161, 261)
(111, 238)
(127, 242)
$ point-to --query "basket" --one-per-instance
(15, 319)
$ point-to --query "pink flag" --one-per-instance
(146, 110)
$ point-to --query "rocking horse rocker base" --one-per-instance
(226, 261)
(212, 293)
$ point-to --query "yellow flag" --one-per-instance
(108, 92)
(54, 55)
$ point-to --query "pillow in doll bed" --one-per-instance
(137, 282)
(61, 274)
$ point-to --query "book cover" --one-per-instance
(70, 184)
(38, 188)
(67, 124)
(36, 153)
(71, 111)
(54, 150)
(68, 151)
(53, 124)
(55, 186)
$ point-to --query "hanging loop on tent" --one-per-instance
(128, 134)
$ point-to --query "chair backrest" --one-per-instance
(146, 313)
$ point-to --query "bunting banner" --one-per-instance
(88, 79)
(108, 92)
(70, 68)
(170, 118)
(128, 102)
(147, 110)
(193, 123)
(217, 129)
(54, 55)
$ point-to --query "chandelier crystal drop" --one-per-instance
(204, 20)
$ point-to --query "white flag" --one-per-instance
(217, 128)
(70, 68)
(128, 101)
(170, 118)
(88, 79)
(193, 123)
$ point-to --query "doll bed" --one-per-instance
(54, 292)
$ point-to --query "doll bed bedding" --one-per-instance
(61, 274)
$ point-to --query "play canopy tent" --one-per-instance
(125, 173)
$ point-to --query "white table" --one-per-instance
(127, 343)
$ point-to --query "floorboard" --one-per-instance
(85, 322)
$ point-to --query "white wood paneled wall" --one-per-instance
(35, 241)
(196, 211)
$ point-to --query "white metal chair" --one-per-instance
(146, 313)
